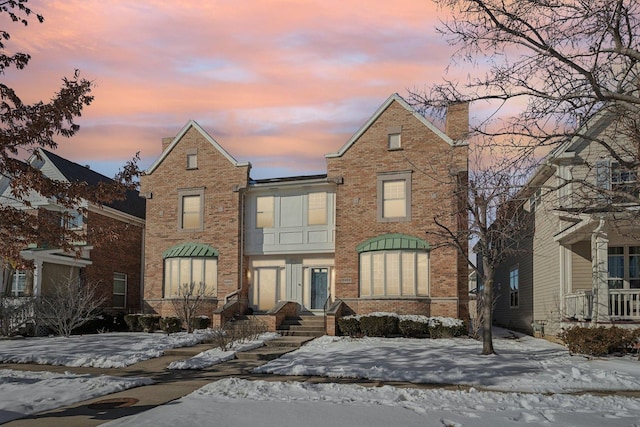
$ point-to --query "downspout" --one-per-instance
(144, 233)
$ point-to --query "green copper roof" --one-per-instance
(391, 242)
(190, 250)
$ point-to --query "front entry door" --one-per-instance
(293, 270)
(319, 288)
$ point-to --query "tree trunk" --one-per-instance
(487, 313)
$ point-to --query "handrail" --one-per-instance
(324, 311)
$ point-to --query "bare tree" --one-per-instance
(26, 127)
(549, 72)
(190, 300)
(69, 304)
(492, 205)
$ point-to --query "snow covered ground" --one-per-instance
(526, 370)
(235, 402)
(110, 350)
(23, 393)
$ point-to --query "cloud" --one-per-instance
(277, 83)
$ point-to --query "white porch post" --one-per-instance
(599, 264)
(37, 278)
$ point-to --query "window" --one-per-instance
(514, 287)
(394, 273)
(72, 220)
(615, 177)
(19, 283)
(119, 290)
(317, 208)
(185, 271)
(191, 209)
(393, 137)
(394, 197)
(624, 267)
(264, 212)
(192, 161)
(394, 141)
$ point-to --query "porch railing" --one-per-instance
(624, 304)
(578, 305)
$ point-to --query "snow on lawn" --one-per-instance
(235, 402)
(525, 364)
(110, 350)
(24, 393)
(216, 355)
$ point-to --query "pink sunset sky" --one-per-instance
(279, 83)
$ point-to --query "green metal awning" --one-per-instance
(393, 242)
(185, 250)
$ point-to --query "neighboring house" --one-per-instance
(356, 235)
(115, 266)
(581, 265)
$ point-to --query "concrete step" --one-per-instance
(263, 353)
(302, 328)
(289, 341)
(309, 334)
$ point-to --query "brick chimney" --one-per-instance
(457, 120)
(165, 142)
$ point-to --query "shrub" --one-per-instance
(149, 322)
(132, 321)
(379, 325)
(103, 322)
(171, 325)
(349, 325)
(446, 327)
(200, 322)
(414, 326)
(599, 341)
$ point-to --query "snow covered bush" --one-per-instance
(349, 325)
(132, 321)
(171, 325)
(149, 322)
(446, 327)
(200, 322)
(600, 341)
(414, 326)
(379, 324)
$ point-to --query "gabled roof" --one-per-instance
(397, 98)
(133, 204)
(394, 241)
(192, 124)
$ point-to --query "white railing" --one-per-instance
(578, 305)
(624, 303)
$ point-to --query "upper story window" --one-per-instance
(514, 287)
(394, 141)
(613, 176)
(265, 211)
(317, 208)
(191, 209)
(394, 197)
(192, 158)
(72, 220)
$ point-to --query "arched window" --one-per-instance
(394, 265)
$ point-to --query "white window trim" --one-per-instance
(393, 176)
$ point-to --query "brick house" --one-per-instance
(353, 239)
(115, 266)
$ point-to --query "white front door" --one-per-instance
(293, 274)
